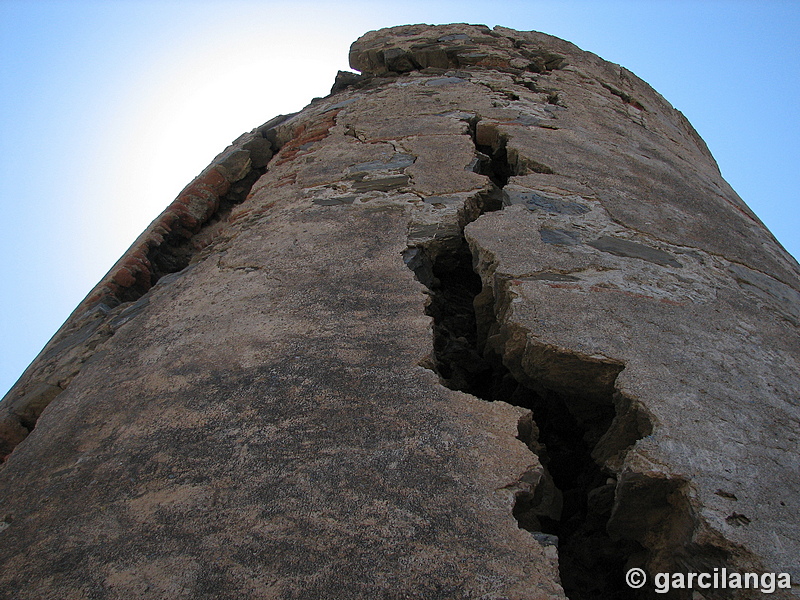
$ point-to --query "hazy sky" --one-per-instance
(108, 109)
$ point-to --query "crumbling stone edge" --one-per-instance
(174, 241)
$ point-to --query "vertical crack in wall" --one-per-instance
(577, 429)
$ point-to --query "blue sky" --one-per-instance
(107, 109)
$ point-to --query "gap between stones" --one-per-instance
(602, 523)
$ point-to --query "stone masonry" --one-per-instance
(486, 322)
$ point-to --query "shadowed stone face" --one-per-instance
(486, 322)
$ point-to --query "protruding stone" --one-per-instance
(234, 164)
(260, 150)
(346, 79)
(30, 406)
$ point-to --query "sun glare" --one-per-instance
(181, 113)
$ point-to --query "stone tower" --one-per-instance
(486, 322)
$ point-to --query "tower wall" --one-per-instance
(484, 322)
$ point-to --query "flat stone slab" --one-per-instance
(634, 250)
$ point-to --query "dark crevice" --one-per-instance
(179, 246)
(572, 502)
(591, 564)
(186, 237)
(492, 159)
(563, 432)
(497, 168)
(552, 94)
(626, 98)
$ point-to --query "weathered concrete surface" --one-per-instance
(244, 406)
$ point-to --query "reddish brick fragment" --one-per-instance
(305, 135)
(124, 277)
(212, 180)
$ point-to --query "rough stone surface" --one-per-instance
(484, 323)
